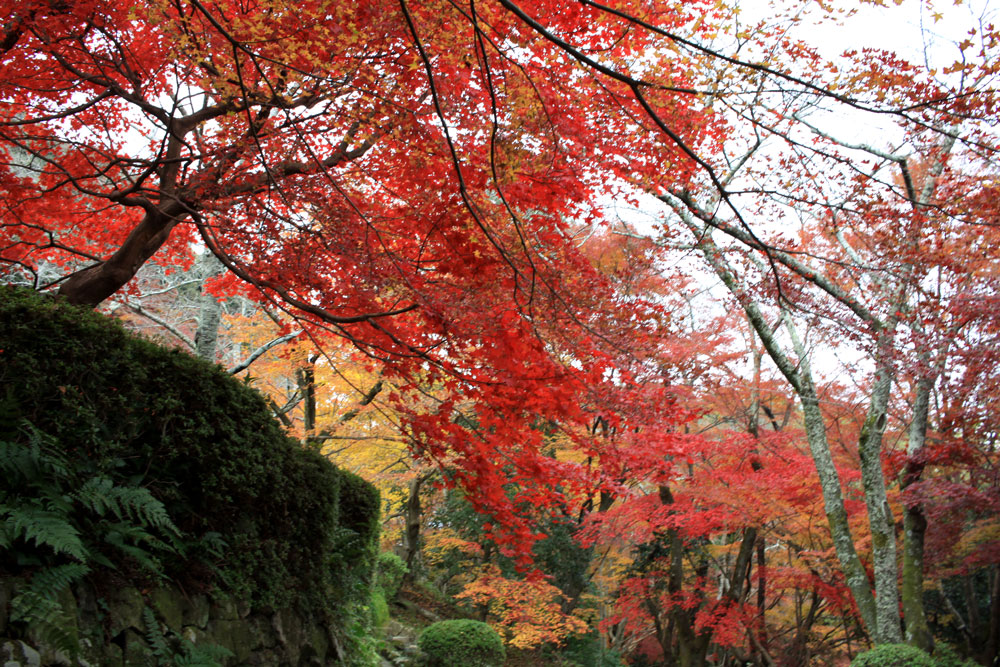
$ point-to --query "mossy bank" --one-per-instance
(133, 467)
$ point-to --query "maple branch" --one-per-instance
(263, 284)
(365, 400)
(802, 270)
(636, 86)
(585, 60)
(343, 153)
(764, 69)
(456, 161)
(18, 122)
(94, 284)
(256, 354)
(152, 317)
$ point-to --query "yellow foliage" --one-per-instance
(526, 612)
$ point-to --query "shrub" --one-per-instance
(893, 655)
(946, 656)
(201, 443)
(461, 642)
(389, 571)
(380, 608)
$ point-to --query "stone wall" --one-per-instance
(126, 626)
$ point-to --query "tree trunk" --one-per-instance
(209, 309)
(880, 520)
(829, 479)
(411, 535)
(94, 284)
(762, 591)
(799, 376)
(915, 526)
(306, 379)
(692, 646)
(993, 641)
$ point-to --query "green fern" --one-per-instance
(51, 514)
(207, 655)
(134, 542)
(38, 606)
(33, 462)
(44, 528)
(155, 638)
(101, 495)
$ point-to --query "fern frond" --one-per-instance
(154, 636)
(37, 605)
(36, 460)
(95, 495)
(101, 495)
(58, 630)
(142, 556)
(6, 531)
(208, 655)
(44, 527)
(201, 655)
(45, 584)
(16, 462)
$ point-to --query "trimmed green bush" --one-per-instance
(260, 516)
(893, 655)
(461, 642)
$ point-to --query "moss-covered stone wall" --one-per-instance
(127, 626)
(131, 467)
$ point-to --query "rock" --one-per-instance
(236, 635)
(15, 653)
(113, 631)
(170, 607)
(136, 649)
(197, 612)
(125, 607)
(225, 609)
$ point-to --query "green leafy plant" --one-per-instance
(893, 655)
(58, 522)
(150, 463)
(37, 606)
(389, 572)
(461, 642)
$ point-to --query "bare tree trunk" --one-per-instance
(692, 645)
(412, 516)
(209, 309)
(993, 641)
(762, 592)
(880, 519)
(306, 378)
(915, 526)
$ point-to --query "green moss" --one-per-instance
(261, 517)
(462, 642)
